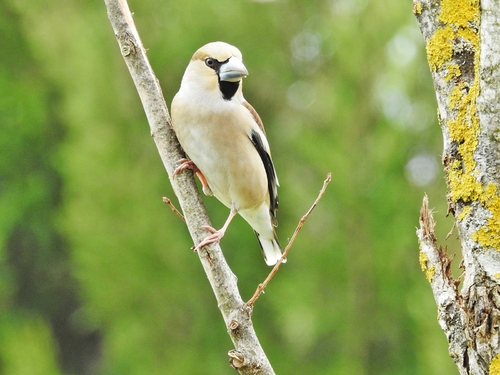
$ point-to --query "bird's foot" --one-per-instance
(214, 237)
(189, 164)
(185, 164)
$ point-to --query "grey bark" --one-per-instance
(463, 50)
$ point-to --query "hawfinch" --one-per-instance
(225, 141)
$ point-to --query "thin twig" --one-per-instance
(451, 230)
(275, 269)
(172, 207)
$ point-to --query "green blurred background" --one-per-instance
(96, 275)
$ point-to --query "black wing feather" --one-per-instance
(270, 172)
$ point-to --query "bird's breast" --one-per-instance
(216, 139)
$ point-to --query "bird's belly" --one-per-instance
(236, 176)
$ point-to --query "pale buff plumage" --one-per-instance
(225, 141)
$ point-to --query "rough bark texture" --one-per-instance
(248, 356)
(463, 51)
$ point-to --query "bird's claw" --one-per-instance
(185, 164)
(189, 164)
(214, 237)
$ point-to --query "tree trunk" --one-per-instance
(463, 51)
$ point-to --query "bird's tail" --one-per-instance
(271, 249)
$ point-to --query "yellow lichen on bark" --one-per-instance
(459, 12)
(423, 260)
(461, 19)
(453, 72)
(495, 366)
(489, 234)
(464, 130)
(458, 40)
(440, 48)
(459, 15)
(471, 36)
(417, 8)
(464, 213)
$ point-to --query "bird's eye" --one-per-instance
(209, 62)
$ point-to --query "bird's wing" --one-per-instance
(255, 116)
(265, 154)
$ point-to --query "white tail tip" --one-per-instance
(271, 250)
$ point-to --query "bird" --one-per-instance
(226, 145)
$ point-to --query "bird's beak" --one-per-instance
(233, 70)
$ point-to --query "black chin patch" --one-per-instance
(228, 89)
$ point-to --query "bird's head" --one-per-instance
(217, 66)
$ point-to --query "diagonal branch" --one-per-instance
(248, 356)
